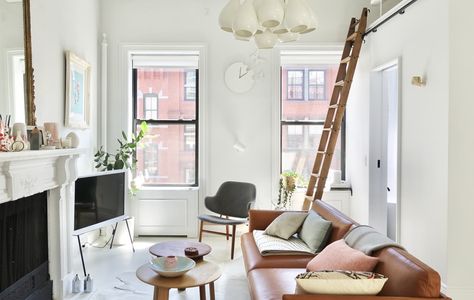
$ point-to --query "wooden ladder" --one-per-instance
(337, 107)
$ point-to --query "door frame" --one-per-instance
(377, 192)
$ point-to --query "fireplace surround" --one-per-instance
(52, 173)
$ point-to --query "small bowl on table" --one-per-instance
(172, 266)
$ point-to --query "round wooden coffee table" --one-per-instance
(203, 273)
(176, 248)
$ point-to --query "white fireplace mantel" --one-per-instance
(27, 173)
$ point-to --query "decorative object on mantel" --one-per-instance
(267, 21)
(74, 139)
(78, 78)
(287, 187)
(52, 129)
(35, 139)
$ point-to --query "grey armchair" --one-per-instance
(233, 199)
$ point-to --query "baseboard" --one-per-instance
(458, 292)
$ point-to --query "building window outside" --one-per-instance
(150, 106)
(189, 137)
(190, 85)
(295, 84)
(316, 85)
(172, 126)
(302, 122)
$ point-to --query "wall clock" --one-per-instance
(239, 78)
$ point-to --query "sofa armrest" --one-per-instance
(340, 297)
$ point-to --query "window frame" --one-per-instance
(136, 121)
(308, 122)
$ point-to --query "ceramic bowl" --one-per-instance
(161, 266)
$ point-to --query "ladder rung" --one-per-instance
(310, 198)
(314, 175)
(352, 37)
(334, 106)
(340, 83)
(346, 60)
(321, 152)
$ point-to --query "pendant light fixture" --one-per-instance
(267, 21)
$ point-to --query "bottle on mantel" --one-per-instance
(35, 140)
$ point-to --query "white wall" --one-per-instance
(461, 159)
(229, 116)
(420, 38)
(58, 26)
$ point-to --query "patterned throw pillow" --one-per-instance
(286, 224)
(341, 283)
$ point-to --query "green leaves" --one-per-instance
(125, 155)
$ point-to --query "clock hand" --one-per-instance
(240, 73)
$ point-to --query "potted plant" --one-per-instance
(287, 187)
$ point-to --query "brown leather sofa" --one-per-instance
(273, 277)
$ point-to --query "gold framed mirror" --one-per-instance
(17, 96)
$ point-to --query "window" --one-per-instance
(295, 85)
(168, 153)
(150, 106)
(302, 122)
(190, 85)
(189, 137)
(316, 85)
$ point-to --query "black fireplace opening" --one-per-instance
(24, 272)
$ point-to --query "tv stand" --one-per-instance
(111, 241)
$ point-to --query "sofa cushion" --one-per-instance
(339, 256)
(341, 283)
(286, 224)
(253, 259)
(272, 284)
(315, 231)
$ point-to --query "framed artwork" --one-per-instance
(78, 78)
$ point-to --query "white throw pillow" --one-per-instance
(341, 283)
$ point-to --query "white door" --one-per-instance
(384, 204)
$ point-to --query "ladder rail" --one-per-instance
(336, 109)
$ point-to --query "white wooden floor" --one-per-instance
(113, 271)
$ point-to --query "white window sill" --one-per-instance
(169, 188)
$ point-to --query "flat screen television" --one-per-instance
(99, 200)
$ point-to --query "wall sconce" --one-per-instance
(418, 81)
(239, 147)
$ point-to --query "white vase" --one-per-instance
(313, 21)
(298, 16)
(245, 22)
(288, 37)
(270, 13)
(227, 15)
(266, 40)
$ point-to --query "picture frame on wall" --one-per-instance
(78, 82)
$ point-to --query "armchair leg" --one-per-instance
(200, 231)
(233, 241)
(227, 229)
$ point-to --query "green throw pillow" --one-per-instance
(286, 224)
(315, 231)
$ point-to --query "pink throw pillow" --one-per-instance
(339, 256)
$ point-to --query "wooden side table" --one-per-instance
(203, 273)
